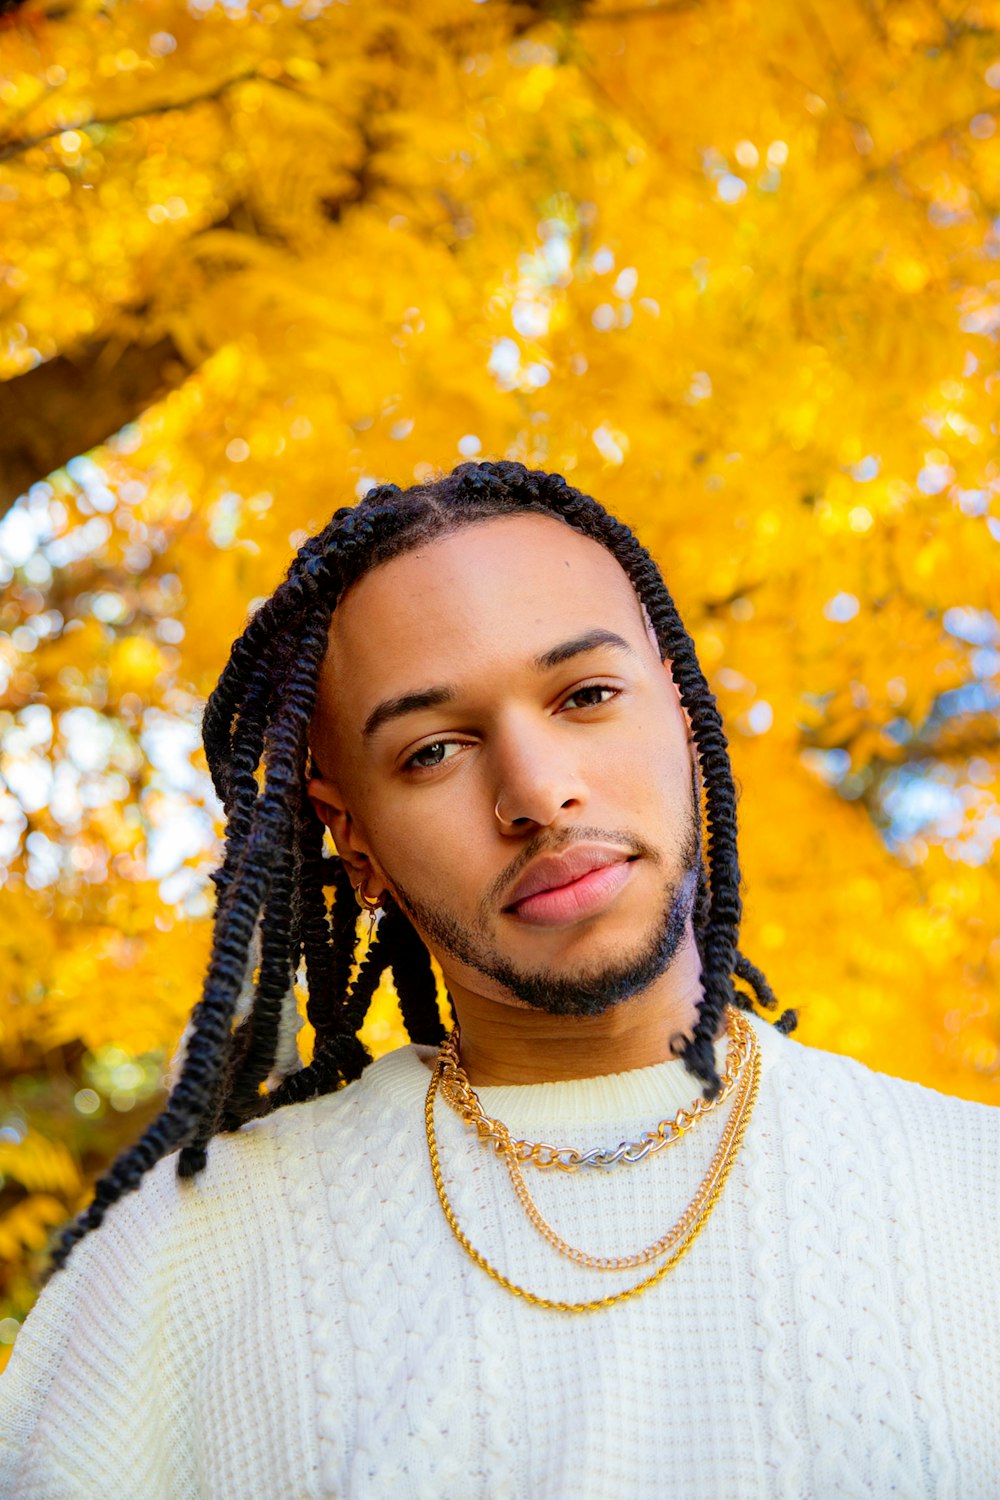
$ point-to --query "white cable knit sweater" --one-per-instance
(299, 1321)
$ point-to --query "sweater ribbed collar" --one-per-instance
(651, 1093)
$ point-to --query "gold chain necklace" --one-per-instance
(459, 1093)
(709, 1192)
(684, 1223)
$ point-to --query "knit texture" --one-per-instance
(299, 1320)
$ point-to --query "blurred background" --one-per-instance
(732, 268)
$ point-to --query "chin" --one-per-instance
(596, 940)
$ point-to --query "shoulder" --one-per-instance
(815, 1063)
(168, 1227)
(953, 1141)
(180, 1273)
(275, 1168)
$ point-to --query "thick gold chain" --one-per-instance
(459, 1093)
(714, 1182)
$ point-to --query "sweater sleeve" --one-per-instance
(84, 1402)
(954, 1233)
(149, 1365)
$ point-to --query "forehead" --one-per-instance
(495, 593)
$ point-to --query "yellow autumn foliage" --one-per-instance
(39, 1165)
(731, 267)
(27, 1225)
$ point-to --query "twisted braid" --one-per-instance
(410, 963)
(280, 810)
(274, 876)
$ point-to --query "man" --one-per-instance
(617, 1235)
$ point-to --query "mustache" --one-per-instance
(554, 843)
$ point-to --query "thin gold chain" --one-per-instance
(743, 1108)
(459, 1093)
(690, 1214)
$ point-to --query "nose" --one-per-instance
(536, 781)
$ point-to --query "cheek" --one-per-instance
(650, 767)
(429, 848)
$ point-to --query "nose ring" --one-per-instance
(499, 819)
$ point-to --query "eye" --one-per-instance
(592, 687)
(415, 763)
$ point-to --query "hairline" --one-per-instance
(442, 526)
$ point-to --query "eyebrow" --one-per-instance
(587, 642)
(407, 703)
(433, 697)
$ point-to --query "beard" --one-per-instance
(587, 991)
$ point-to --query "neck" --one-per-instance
(506, 1042)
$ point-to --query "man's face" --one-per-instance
(511, 662)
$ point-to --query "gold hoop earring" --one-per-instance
(368, 905)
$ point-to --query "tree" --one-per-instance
(731, 268)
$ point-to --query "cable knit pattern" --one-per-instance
(902, 1160)
(299, 1321)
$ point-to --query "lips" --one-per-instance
(555, 870)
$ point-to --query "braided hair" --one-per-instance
(271, 888)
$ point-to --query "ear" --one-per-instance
(651, 637)
(687, 716)
(676, 693)
(331, 808)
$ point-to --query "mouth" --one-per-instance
(575, 900)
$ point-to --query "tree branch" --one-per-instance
(17, 148)
(68, 405)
